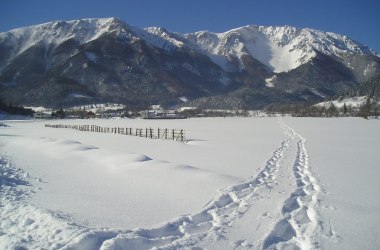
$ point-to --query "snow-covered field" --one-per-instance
(238, 183)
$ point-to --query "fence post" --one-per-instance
(176, 134)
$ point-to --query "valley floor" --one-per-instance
(237, 183)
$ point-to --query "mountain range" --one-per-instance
(88, 61)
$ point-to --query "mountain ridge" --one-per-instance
(154, 65)
(281, 36)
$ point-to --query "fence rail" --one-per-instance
(151, 133)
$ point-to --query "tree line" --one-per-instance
(367, 110)
(14, 109)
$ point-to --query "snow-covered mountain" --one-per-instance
(280, 48)
(106, 60)
(53, 34)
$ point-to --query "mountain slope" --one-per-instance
(106, 60)
(65, 63)
(279, 48)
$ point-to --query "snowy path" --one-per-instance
(299, 225)
(277, 208)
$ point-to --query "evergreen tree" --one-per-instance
(344, 109)
(365, 109)
(60, 114)
(332, 111)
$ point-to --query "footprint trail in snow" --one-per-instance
(298, 227)
(295, 228)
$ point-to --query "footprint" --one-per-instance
(299, 192)
(196, 229)
(290, 205)
(301, 217)
(329, 207)
(241, 243)
(282, 232)
(28, 221)
(201, 217)
(265, 215)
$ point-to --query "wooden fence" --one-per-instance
(166, 134)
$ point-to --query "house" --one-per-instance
(148, 114)
(90, 115)
(159, 114)
(156, 107)
(41, 115)
(182, 109)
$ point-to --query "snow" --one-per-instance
(344, 154)
(181, 109)
(270, 81)
(265, 44)
(38, 109)
(318, 93)
(370, 69)
(55, 33)
(354, 102)
(52, 34)
(183, 99)
(261, 183)
(281, 49)
(165, 37)
(76, 95)
(97, 107)
(91, 56)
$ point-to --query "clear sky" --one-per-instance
(358, 19)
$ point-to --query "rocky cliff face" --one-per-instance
(106, 60)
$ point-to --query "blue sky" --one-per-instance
(359, 20)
